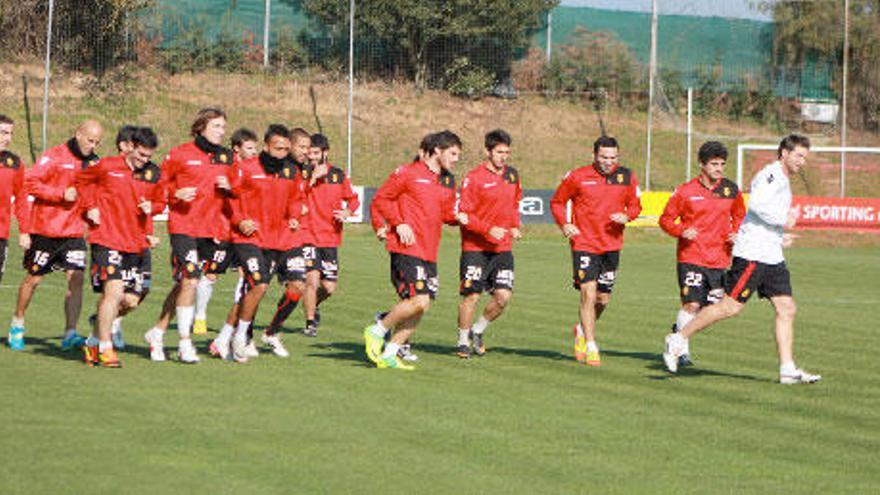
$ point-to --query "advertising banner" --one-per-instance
(854, 214)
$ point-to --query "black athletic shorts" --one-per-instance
(4, 250)
(257, 264)
(324, 260)
(293, 263)
(485, 271)
(745, 277)
(413, 276)
(111, 264)
(589, 267)
(193, 256)
(48, 254)
(700, 284)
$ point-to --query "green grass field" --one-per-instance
(524, 419)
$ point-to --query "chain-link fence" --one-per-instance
(556, 75)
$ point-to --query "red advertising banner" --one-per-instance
(854, 214)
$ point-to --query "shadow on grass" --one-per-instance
(694, 372)
(353, 352)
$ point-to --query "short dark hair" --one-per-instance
(240, 136)
(144, 136)
(710, 150)
(496, 137)
(124, 134)
(299, 132)
(276, 130)
(443, 140)
(604, 142)
(202, 118)
(6, 120)
(320, 141)
(427, 144)
(792, 141)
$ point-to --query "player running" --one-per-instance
(415, 201)
(196, 178)
(490, 196)
(704, 215)
(758, 263)
(119, 195)
(56, 227)
(605, 196)
(330, 202)
(11, 189)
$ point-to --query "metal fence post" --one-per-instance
(266, 21)
(350, 80)
(46, 76)
(690, 131)
(652, 73)
(549, 35)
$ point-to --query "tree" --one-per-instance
(813, 31)
(422, 37)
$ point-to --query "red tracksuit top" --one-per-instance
(12, 187)
(54, 172)
(418, 197)
(269, 199)
(206, 215)
(490, 200)
(290, 239)
(115, 189)
(715, 212)
(594, 198)
(325, 196)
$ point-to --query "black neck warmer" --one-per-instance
(206, 146)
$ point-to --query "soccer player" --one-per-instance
(331, 201)
(267, 202)
(490, 195)
(758, 263)
(704, 215)
(57, 229)
(11, 188)
(196, 178)
(292, 266)
(415, 201)
(605, 196)
(119, 195)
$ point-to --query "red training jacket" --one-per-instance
(714, 211)
(54, 172)
(270, 200)
(418, 197)
(295, 238)
(594, 198)
(328, 194)
(12, 187)
(490, 200)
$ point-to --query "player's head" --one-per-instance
(276, 141)
(498, 147)
(245, 143)
(88, 136)
(123, 138)
(6, 125)
(445, 148)
(210, 123)
(606, 152)
(793, 151)
(319, 150)
(713, 158)
(143, 144)
(300, 142)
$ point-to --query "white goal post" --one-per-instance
(843, 150)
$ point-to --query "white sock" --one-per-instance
(787, 368)
(226, 332)
(390, 350)
(379, 330)
(69, 332)
(105, 346)
(464, 336)
(92, 341)
(116, 327)
(17, 322)
(156, 332)
(682, 319)
(236, 296)
(580, 330)
(184, 320)
(480, 326)
(204, 289)
(241, 331)
(591, 346)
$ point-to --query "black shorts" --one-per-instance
(601, 268)
(48, 254)
(745, 277)
(111, 264)
(4, 248)
(193, 256)
(413, 276)
(324, 260)
(257, 264)
(699, 284)
(485, 271)
(292, 264)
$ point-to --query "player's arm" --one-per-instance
(296, 200)
(87, 183)
(385, 199)
(737, 212)
(451, 213)
(671, 213)
(351, 202)
(38, 179)
(468, 205)
(22, 208)
(566, 191)
(633, 204)
(765, 203)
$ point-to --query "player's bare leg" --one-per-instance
(310, 302)
(204, 290)
(26, 291)
(247, 310)
(293, 292)
(73, 299)
(786, 309)
(677, 344)
(593, 304)
(112, 296)
(467, 307)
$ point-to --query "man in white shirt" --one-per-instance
(758, 264)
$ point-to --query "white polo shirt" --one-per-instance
(760, 235)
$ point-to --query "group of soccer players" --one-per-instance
(277, 208)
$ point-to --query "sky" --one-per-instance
(740, 9)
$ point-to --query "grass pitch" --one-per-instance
(524, 419)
